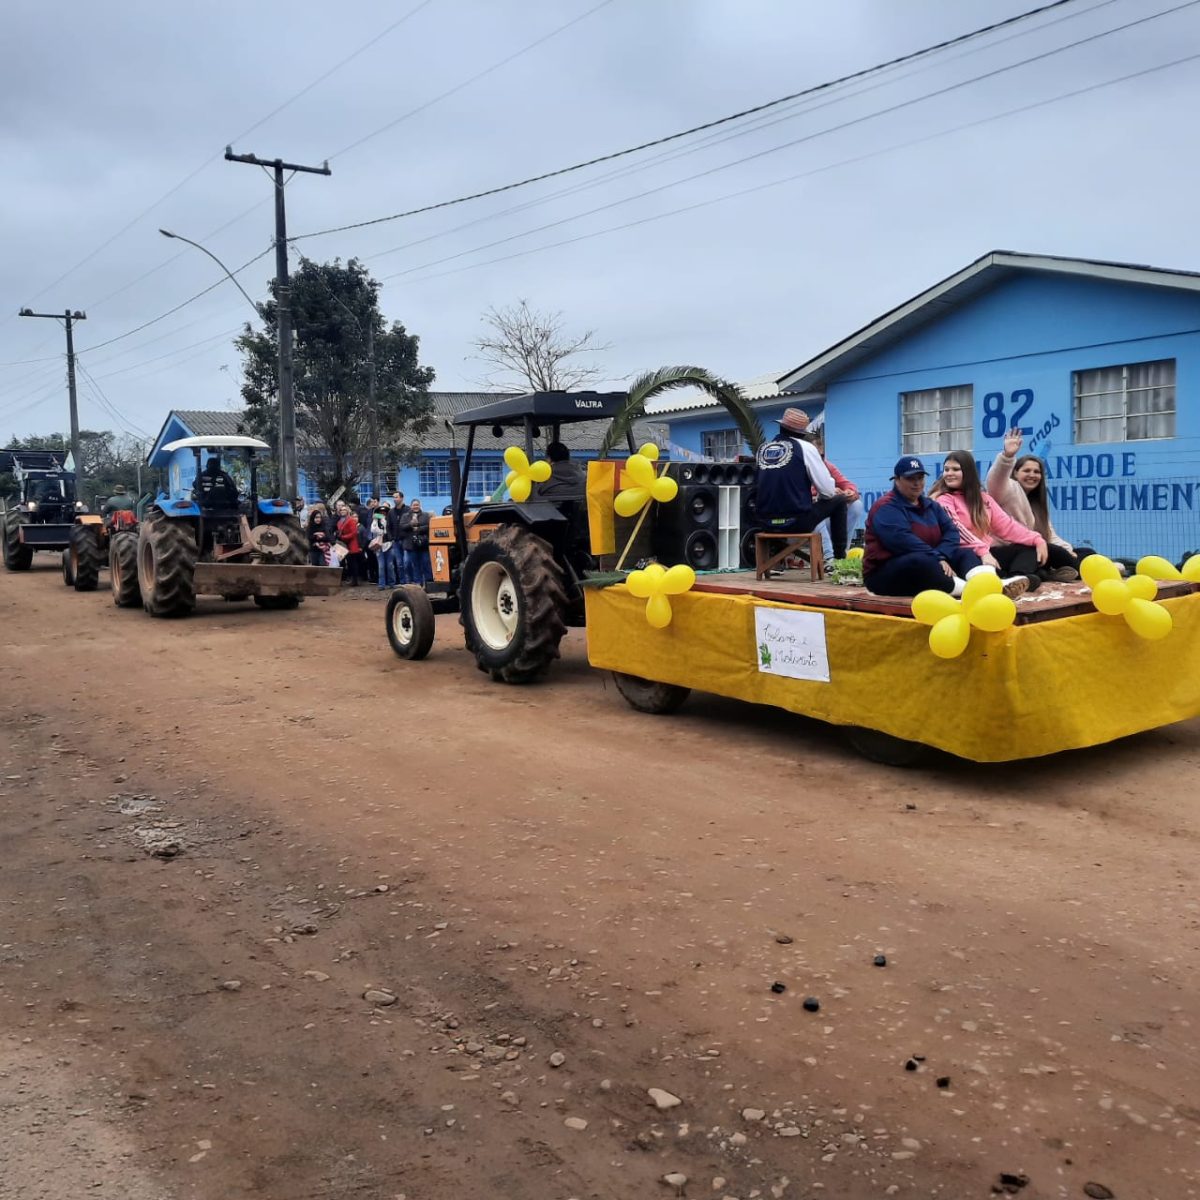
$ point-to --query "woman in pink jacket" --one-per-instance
(983, 526)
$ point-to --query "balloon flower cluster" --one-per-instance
(522, 474)
(647, 484)
(983, 605)
(655, 584)
(1133, 598)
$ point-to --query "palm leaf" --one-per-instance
(665, 379)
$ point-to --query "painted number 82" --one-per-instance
(996, 423)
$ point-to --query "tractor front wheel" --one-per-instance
(884, 747)
(513, 604)
(410, 622)
(86, 557)
(17, 556)
(68, 568)
(123, 570)
(167, 554)
(649, 697)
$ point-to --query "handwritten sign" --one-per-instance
(791, 644)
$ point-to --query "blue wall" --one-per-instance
(1026, 336)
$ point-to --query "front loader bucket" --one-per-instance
(265, 579)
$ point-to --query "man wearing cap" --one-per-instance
(911, 545)
(119, 501)
(790, 474)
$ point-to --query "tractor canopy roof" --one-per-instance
(161, 457)
(546, 408)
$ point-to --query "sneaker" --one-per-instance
(1015, 586)
(1062, 575)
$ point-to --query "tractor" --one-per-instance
(205, 536)
(91, 546)
(44, 515)
(514, 571)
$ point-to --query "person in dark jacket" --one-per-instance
(414, 537)
(319, 538)
(912, 544)
(789, 472)
(566, 480)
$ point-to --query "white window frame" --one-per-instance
(1085, 425)
(944, 402)
(732, 440)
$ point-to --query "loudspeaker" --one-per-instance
(727, 474)
(685, 530)
(749, 521)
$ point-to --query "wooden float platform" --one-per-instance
(1050, 601)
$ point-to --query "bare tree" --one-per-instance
(532, 348)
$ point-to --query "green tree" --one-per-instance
(335, 308)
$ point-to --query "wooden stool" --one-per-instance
(808, 544)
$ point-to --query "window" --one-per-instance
(1125, 404)
(487, 474)
(721, 445)
(936, 420)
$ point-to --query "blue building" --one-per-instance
(1088, 359)
(428, 479)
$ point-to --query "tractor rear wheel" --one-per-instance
(649, 697)
(167, 554)
(297, 551)
(513, 603)
(410, 622)
(884, 747)
(86, 557)
(123, 569)
(17, 556)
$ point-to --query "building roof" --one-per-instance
(205, 422)
(984, 273)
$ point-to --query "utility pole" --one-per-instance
(289, 474)
(68, 317)
(374, 408)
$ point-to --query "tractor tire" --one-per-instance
(68, 569)
(297, 552)
(289, 600)
(884, 747)
(649, 697)
(86, 556)
(410, 622)
(513, 605)
(123, 570)
(17, 556)
(167, 554)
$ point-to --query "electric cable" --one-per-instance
(591, 162)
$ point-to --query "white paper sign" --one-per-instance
(791, 644)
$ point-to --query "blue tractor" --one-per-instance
(206, 535)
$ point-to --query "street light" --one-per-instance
(204, 250)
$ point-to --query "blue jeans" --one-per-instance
(388, 575)
(854, 520)
(416, 566)
(395, 565)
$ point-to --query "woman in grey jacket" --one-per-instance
(1018, 485)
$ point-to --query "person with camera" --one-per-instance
(414, 539)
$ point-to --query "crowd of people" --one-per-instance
(384, 542)
(916, 541)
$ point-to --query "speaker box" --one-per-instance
(685, 530)
(749, 522)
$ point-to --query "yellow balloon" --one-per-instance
(931, 606)
(664, 489)
(539, 471)
(658, 611)
(642, 583)
(514, 456)
(650, 451)
(520, 488)
(1111, 597)
(631, 501)
(986, 583)
(678, 579)
(949, 637)
(993, 613)
(1191, 569)
(1157, 567)
(854, 552)
(1142, 587)
(1096, 567)
(640, 470)
(1148, 620)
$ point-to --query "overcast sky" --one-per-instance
(114, 117)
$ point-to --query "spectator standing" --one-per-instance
(347, 531)
(319, 541)
(381, 539)
(395, 520)
(414, 534)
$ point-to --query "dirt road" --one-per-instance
(221, 834)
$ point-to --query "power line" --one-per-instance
(804, 174)
(216, 337)
(112, 409)
(900, 105)
(591, 162)
(458, 87)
